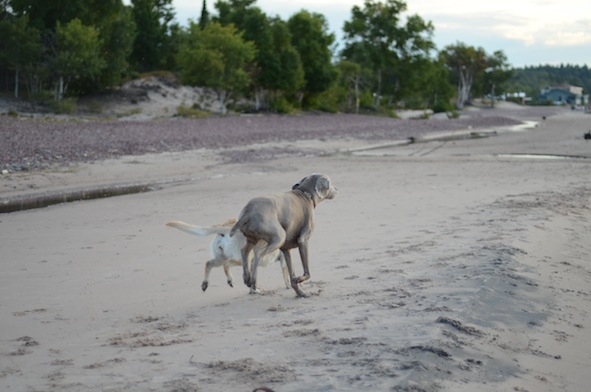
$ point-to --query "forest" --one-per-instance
(533, 78)
(59, 50)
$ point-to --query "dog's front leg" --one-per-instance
(208, 266)
(303, 248)
(293, 278)
(206, 278)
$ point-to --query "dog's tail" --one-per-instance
(223, 229)
(236, 226)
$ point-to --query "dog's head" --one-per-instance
(318, 186)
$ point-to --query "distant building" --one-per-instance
(564, 94)
(518, 96)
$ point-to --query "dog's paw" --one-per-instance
(255, 291)
(230, 283)
(302, 294)
(204, 285)
(252, 283)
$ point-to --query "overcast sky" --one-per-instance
(530, 32)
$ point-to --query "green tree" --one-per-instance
(216, 57)
(204, 18)
(237, 12)
(118, 32)
(277, 70)
(152, 46)
(280, 61)
(19, 48)
(534, 78)
(312, 40)
(466, 64)
(43, 15)
(351, 77)
(430, 85)
(5, 9)
(77, 54)
(376, 38)
(496, 74)
(109, 17)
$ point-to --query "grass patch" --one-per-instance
(130, 113)
(191, 112)
(453, 114)
(65, 106)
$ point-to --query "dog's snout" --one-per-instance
(333, 192)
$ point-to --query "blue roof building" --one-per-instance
(564, 94)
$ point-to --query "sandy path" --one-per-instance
(440, 266)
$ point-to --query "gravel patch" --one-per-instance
(30, 144)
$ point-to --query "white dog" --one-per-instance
(225, 250)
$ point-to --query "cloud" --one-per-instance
(551, 33)
(531, 22)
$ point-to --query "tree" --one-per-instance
(204, 18)
(496, 74)
(350, 74)
(281, 71)
(118, 32)
(311, 39)
(216, 57)
(431, 86)
(20, 46)
(466, 64)
(534, 78)
(236, 11)
(77, 54)
(376, 38)
(152, 46)
(110, 18)
(277, 68)
(43, 15)
(5, 9)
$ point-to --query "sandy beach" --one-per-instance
(449, 264)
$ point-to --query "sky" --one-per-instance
(529, 32)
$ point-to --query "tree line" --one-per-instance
(388, 60)
(531, 79)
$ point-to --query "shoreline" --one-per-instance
(24, 199)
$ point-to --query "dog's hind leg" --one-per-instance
(261, 251)
(284, 270)
(229, 277)
(245, 253)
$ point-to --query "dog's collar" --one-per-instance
(307, 194)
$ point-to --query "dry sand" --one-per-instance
(445, 265)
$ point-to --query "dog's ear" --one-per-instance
(297, 184)
(322, 187)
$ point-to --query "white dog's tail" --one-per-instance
(224, 228)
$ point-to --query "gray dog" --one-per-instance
(282, 221)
